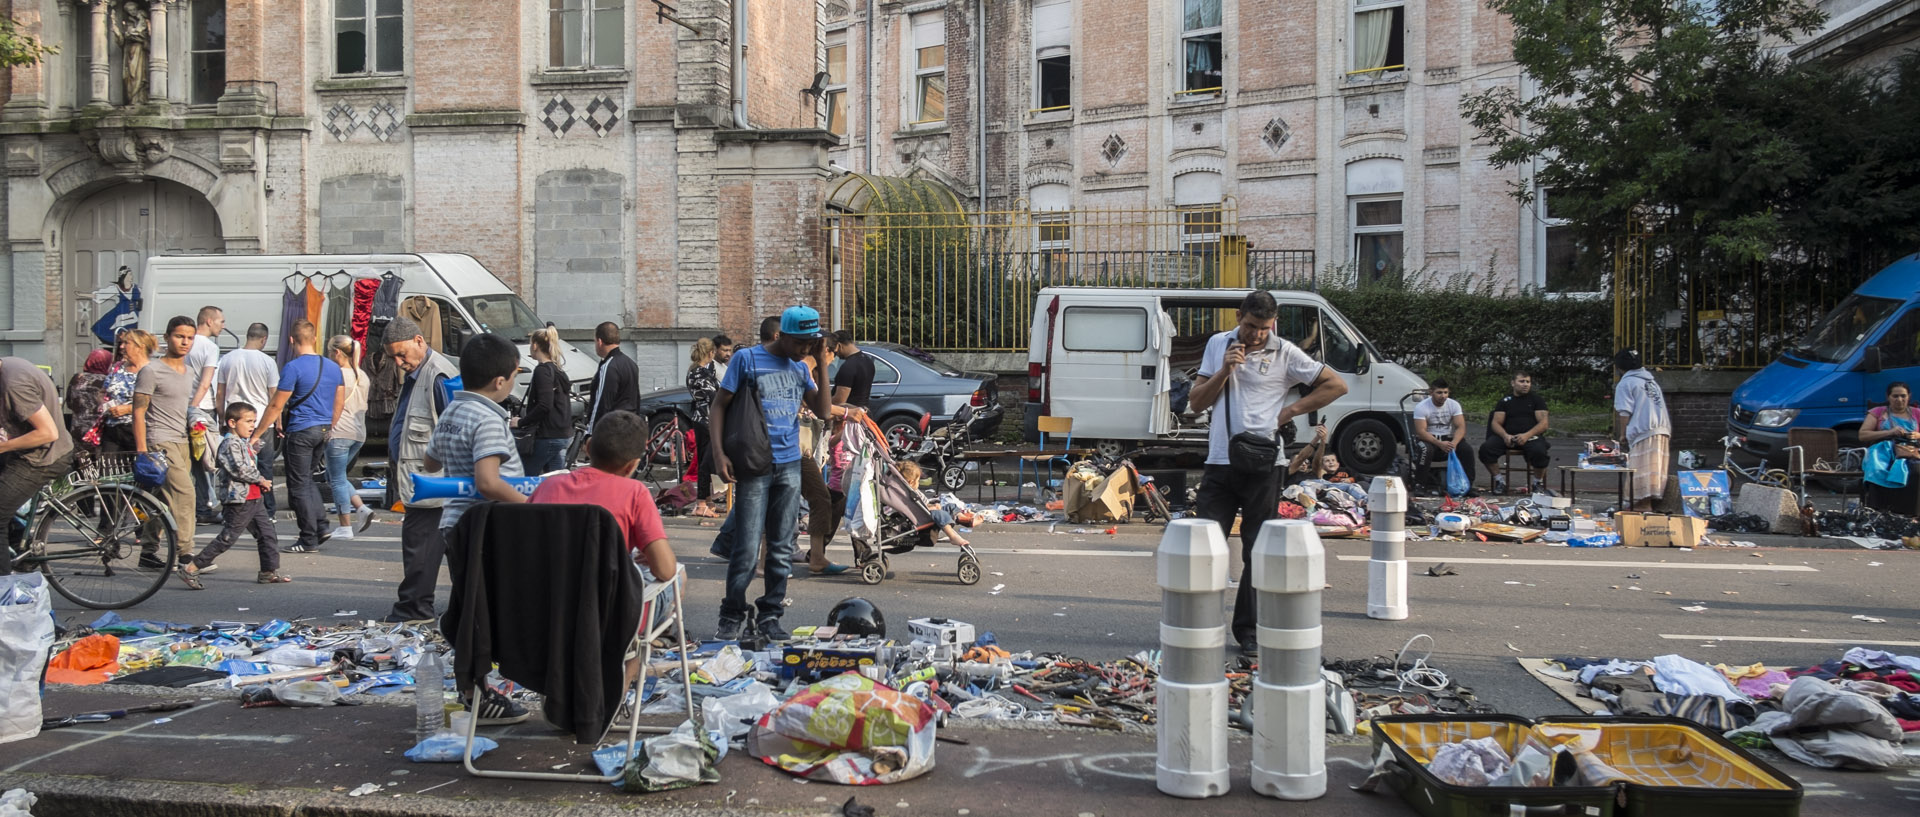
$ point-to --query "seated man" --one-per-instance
(1519, 420)
(619, 441)
(1439, 428)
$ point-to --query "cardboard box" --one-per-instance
(1658, 530)
(1109, 499)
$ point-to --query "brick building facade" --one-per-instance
(1334, 125)
(596, 156)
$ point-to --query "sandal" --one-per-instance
(704, 511)
(191, 577)
(270, 577)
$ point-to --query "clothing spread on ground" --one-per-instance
(1257, 389)
(783, 385)
(1440, 418)
(1519, 411)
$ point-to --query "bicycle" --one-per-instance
(1759, 473)
(666, 448)
(100, 541)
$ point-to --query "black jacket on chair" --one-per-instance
(549, 593)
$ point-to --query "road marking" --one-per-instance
(1782, 640)
(108, 736)
(1054, 552)
(158, 736)
(1584, 563)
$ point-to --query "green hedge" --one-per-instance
(1475, 341)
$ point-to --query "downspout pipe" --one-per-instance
(980, 95)
(739, 46)
(866, 135)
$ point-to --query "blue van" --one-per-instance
(1839, 370)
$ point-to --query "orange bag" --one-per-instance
(91, 660)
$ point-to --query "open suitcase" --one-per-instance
(1667, 767)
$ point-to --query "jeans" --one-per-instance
(304, 449)
(243, 517)
(340, 455)
(769, 505)
(1535, 452)
(548, 454)
(1224, 495)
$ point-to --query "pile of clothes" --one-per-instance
(1336, 508)
(1852, 712)
(372, 658)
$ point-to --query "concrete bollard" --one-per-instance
(1387, 571)
(1192, 691)
(1290, 694)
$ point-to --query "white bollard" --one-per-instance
(1387, 571)
(1192, 691)
(1290, 695)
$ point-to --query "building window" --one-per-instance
(1053, 225)
(836, 88)
(929, 68)
(369, 37)
(206, 51)
(1379, 37)
(1565, 263)
(1053, 54)
(1378, 239)
(1200, 42)
(1197, 196)
(586, 34)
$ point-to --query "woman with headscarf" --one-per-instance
(87, 398)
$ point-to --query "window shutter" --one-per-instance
(1052, 26)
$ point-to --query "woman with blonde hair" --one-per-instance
(347, 436)
(548, 414)
(703, 381)
(134, 347)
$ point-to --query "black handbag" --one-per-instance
(1249, 454)
(747, 445)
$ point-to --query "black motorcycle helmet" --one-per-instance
(857, 617)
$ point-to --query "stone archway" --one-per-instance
(121, 226)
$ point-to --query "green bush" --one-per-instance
(1476, 340)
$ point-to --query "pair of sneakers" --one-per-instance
(768, 628)
(497, 709)
(362, 519)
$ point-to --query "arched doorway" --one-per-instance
(121, 226)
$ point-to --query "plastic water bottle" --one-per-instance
(429, 694)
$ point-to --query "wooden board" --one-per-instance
(1508, 533)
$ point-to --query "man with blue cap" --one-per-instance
(766, 503)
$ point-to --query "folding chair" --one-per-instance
(1047, 425)
(1815, 453)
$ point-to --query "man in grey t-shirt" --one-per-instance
(161, 396)
(37, 447)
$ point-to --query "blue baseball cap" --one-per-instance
(800, 322)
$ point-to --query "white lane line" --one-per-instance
(280, 739)
(1782, 640)
(108, 736)
(1763, 568)
(1049, 552)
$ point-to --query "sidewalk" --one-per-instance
(219, 759)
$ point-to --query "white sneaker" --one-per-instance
(365, 512)
(342, 532)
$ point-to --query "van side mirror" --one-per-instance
(1869, 360)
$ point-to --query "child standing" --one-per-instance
(240, 490)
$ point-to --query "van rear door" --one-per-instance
(1105, 365)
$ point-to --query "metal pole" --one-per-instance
(1191, 703)
(1387, 571)
(1289, 697)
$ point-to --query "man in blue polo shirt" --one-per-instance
(311, 393)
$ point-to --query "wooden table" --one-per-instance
(1569, 484)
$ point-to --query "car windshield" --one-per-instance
(1845, 328)
(504, 315)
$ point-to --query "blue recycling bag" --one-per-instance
(1457, 482)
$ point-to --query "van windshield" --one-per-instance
(1845, 328)
(504, 315)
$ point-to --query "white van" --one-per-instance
(249, 288)
(1116, 360)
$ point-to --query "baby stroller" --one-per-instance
(884, 513)
(939, 450)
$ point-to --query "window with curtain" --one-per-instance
(206, 51)
(1565, 263)
(1200, 42)
(1378, 239)
(586, 34)
(1053, 54)
(929, 65)
(1378, 39)
(836, 89)
(369, 37)
(1053, 224)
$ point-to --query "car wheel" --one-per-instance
(1366, 446)
(902, 431)
(1110, 449)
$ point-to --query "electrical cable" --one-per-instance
(1419, 673)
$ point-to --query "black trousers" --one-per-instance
(244, 517)
(1425, 456)
(306, 448)
(1225, 495)
(422, 549)
(703, 454)
(1535, 451)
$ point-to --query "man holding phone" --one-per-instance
(1251, 369)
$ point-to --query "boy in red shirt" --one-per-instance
(619, 441)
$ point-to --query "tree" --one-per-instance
(18, 48)
(1683, 113)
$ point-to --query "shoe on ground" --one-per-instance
(342, 532)
(209, 569)
(269, 577)
(1250, 649)
(365, 521)
(729, 630)
(498, 710)
(150, 561)
(771, 630)
(1500, 485)
(190, 577)
(1540, 487)
(300, 548)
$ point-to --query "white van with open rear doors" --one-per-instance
(1120, 362)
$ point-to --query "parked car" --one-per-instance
(907, 385)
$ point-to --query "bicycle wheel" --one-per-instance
(105, 546)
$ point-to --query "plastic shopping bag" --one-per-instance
(847, 730)
(1457, 482)
(26, 634)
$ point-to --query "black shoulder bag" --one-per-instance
(747, 445)
(1248, 454)
(286, 414)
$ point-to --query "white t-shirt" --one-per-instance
(250, 377)
(205, 353)
(1439, 418)
(1639, 397)
(1257, 391)
(353, 414)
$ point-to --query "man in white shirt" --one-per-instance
(1439, 429)
(201, 360)
(248, 375)
(1640, 420)
(1251, 369)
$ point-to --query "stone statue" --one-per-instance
(130, 27)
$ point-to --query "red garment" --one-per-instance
(253, 492)
(632, 506)
(363, 291)
(1907, 725)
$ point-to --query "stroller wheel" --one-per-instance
(953, 477)
(969, 571)
(873, 573)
